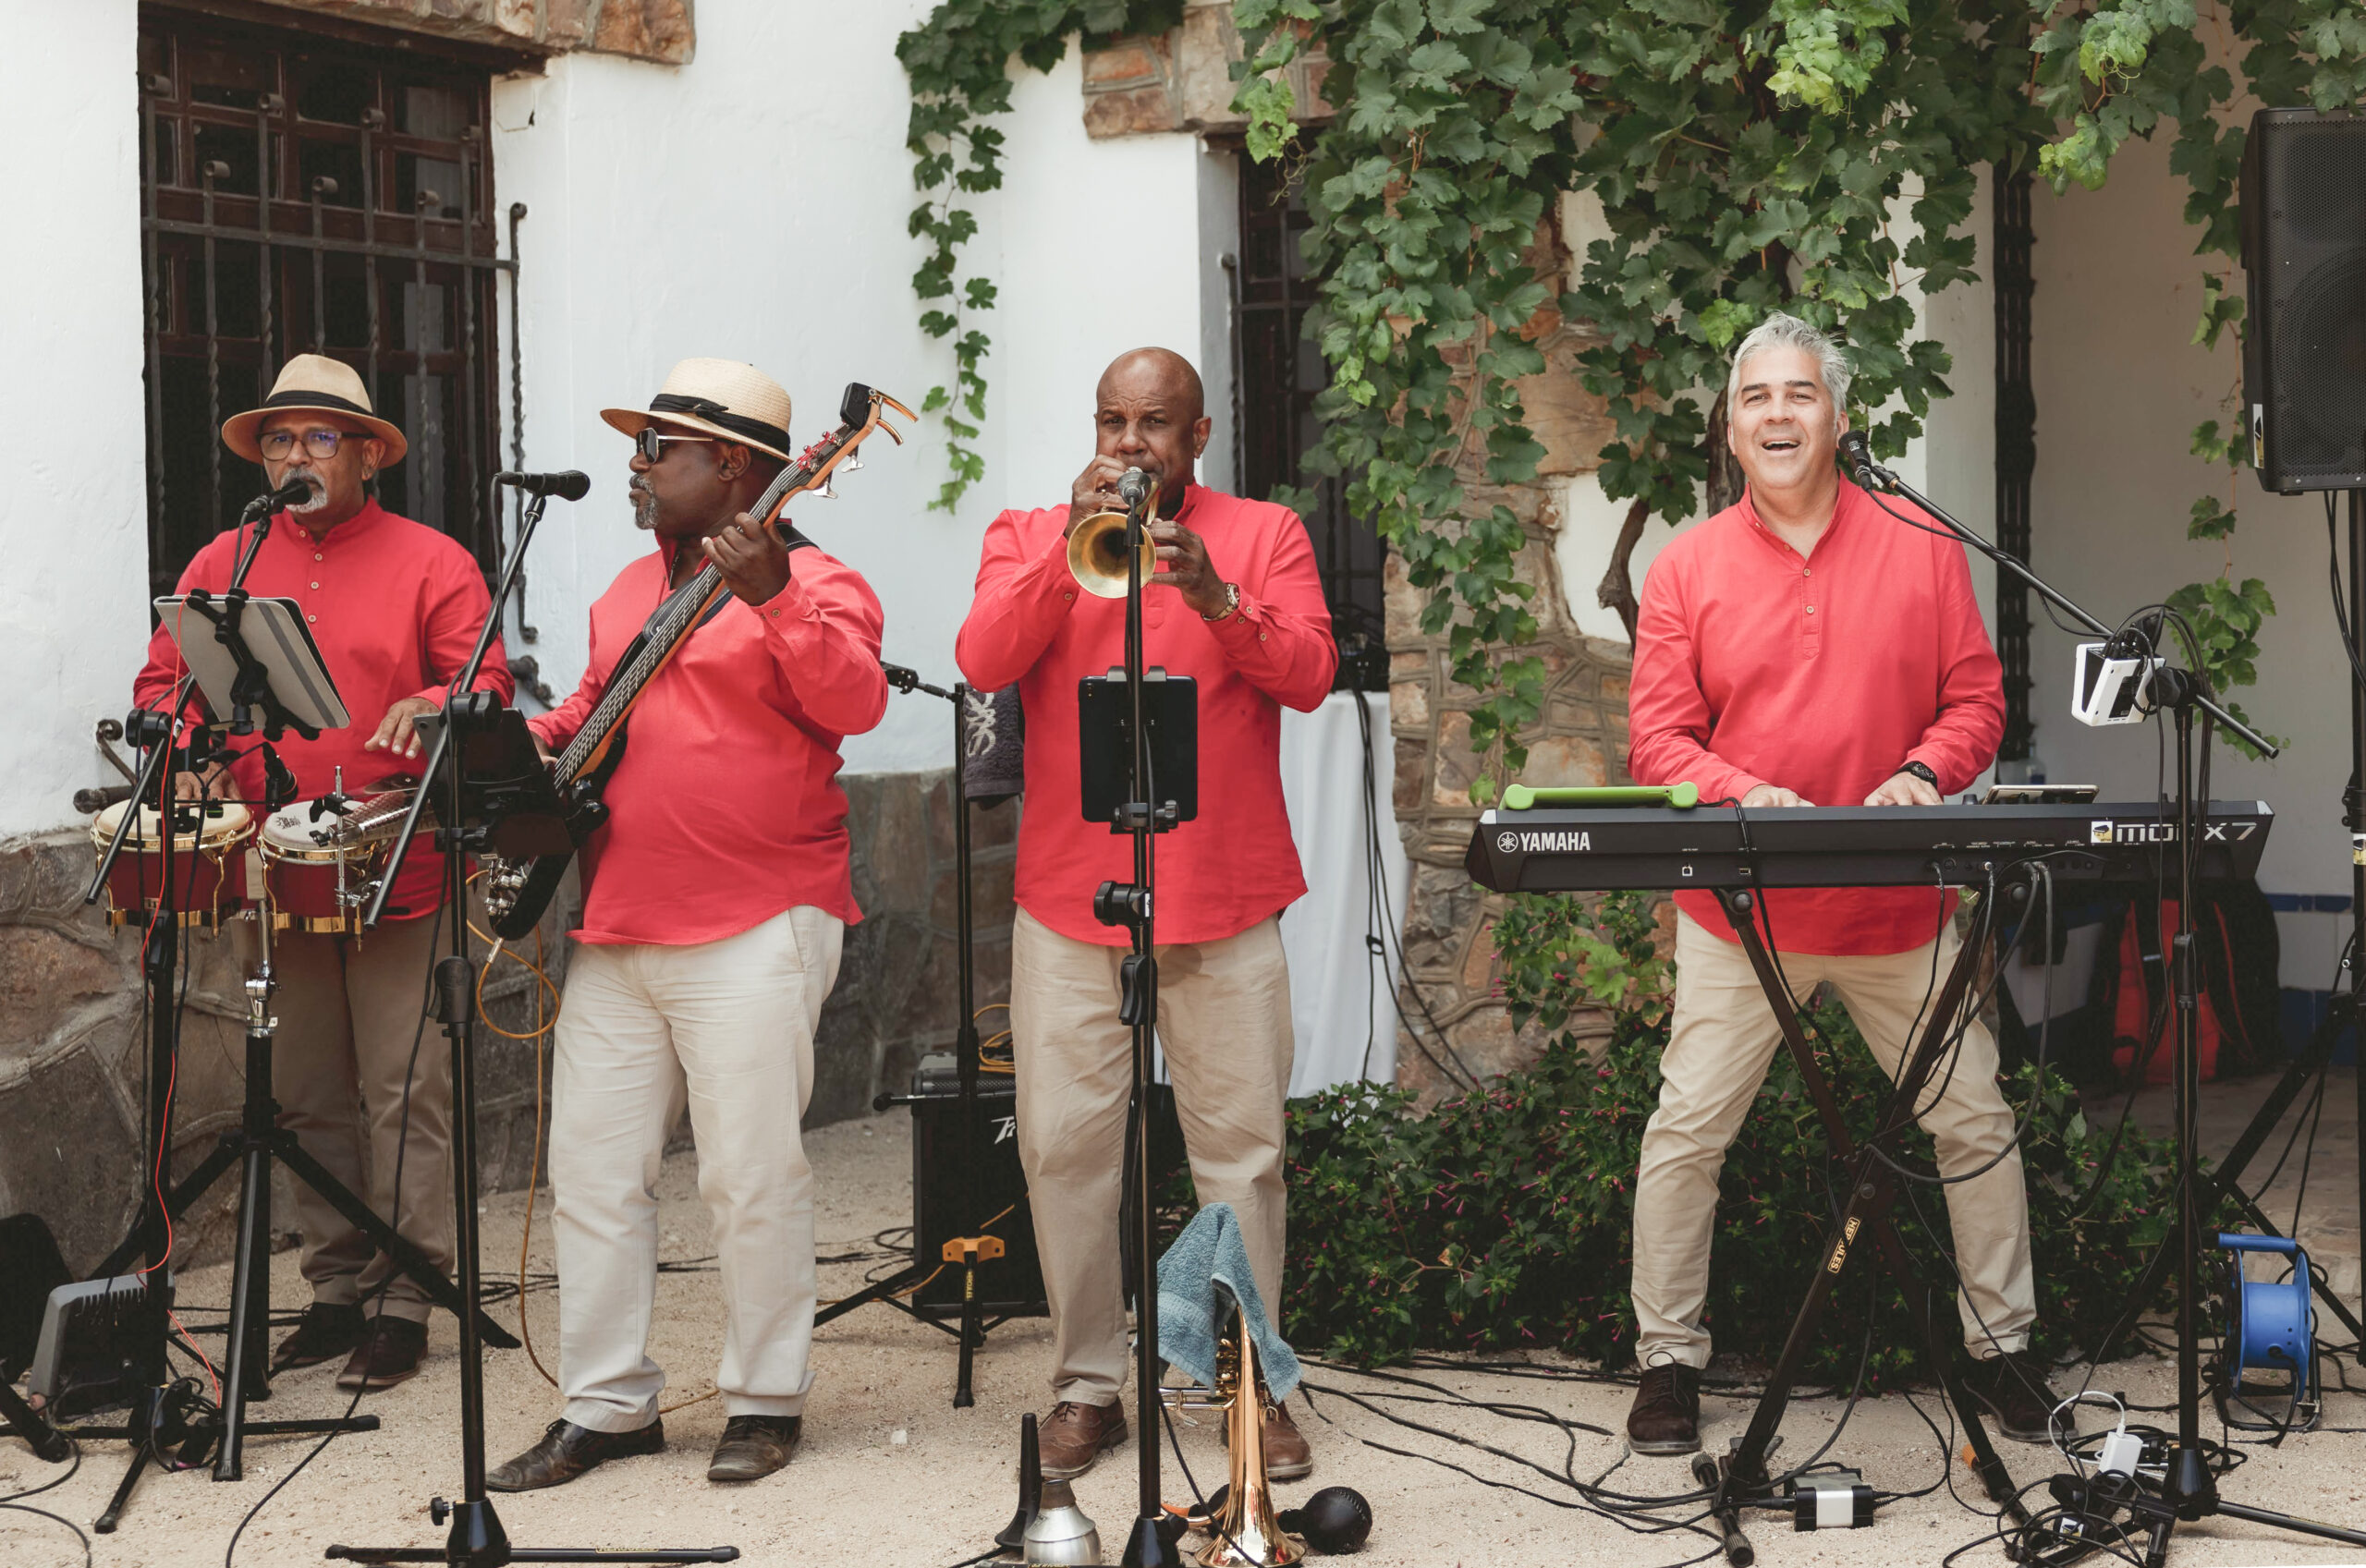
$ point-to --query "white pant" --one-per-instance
(1224, 1022)
(727, 1027)
(1723, 1037)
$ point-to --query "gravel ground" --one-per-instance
(889, 1472)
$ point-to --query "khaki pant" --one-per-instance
(1723, 1038)
(1224, 1022)
(348, 1011)
(726, 1027)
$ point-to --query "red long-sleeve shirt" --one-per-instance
(394, 607)
(726, 809)
(1235, 863)
(1822, 675)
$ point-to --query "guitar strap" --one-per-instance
(789, 536)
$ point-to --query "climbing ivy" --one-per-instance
(958, 62)
(1804, 155)
(2111, 72)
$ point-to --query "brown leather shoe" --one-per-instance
(566, 1451)
(754, 1446)
(1074, 1435)
(387, 1355)
(1665, 1418)
(326, 1332)
(1286, 1456)
(2014, 1387)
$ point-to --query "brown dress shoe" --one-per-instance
(754, 1446)
(1665, 1418)
(387, 1355)
(326, 1332)
(566, 1451)
(1074, 1435)
(1286, 1456)
(2014, 1387)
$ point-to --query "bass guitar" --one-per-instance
(517, 892)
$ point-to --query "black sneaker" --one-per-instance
(2014, 1389)
(325, 1333)
(1665, 1418)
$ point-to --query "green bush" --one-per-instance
(1503, 1218)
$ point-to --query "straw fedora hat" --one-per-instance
(313, 381)
(717, 398)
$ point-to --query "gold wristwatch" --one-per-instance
(1231, 604)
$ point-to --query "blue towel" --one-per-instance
(1209, 1258)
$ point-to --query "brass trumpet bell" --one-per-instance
(1097, 553)
(1246, 1532)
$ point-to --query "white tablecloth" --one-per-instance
(1341, 995)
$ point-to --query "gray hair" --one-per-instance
(1781, 331)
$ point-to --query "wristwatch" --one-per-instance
(1231, 604)
(1920, 771)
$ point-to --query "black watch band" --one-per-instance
(1920, 771)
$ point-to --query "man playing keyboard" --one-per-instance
(1803, 648)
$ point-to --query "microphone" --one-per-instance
(1857, 452)
(295, 490)
(572, 485)
(1133, 487)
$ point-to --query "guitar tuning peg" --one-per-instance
(852, 464)
(826, 493)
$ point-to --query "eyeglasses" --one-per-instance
(652, 445)
(322, 443)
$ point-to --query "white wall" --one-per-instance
(74, 514)
(752, 207)
(2118, 388)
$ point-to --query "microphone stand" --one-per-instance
(476, 1537)
(154, 1418)
(2187, 1491)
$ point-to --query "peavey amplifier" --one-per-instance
(1012, 1286)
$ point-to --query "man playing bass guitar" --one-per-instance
(715, 896)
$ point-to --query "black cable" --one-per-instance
(15, 1502)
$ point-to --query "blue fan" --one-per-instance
(2268, 1349)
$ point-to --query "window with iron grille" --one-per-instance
(306, 194)
(1276, 373)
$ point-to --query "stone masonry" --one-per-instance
(657, 30)
(73, 1051)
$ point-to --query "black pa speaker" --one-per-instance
(2304, 254)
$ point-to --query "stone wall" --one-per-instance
(73, 1049)
(1181, 79)
(659, 30)
(1452, 981)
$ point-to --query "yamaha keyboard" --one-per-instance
(1606, 848)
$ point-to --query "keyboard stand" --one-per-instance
(1739, 1479)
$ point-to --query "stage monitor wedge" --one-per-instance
(2304, 253)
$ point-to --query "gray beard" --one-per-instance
(316, 501)
(644, 510)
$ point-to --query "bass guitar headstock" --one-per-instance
(861, 410)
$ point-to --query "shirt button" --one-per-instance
(309, 618)
(160, 831)
(1807, 571)
(315, 557)
(1811, 609)
(1261, 636)
(1070, 596)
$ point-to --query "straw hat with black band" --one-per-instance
(718, 397)
(314, 381)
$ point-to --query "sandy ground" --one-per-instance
(889, 1472)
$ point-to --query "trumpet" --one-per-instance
(1097, 552)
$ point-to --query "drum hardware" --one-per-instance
(205, 840)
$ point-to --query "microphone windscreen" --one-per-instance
(572, 485)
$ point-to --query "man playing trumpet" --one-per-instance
(1237, 604)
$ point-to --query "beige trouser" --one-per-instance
(1723, 1038)
(348, 1010)
(1224, 1022)
(726, 1027)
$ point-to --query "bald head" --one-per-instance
(1151, 412)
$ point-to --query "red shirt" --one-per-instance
(726, 809)
(394, 607)
(1820, 676)
(1235, 863)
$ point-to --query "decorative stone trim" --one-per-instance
(656, 30)
(1182, 80)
